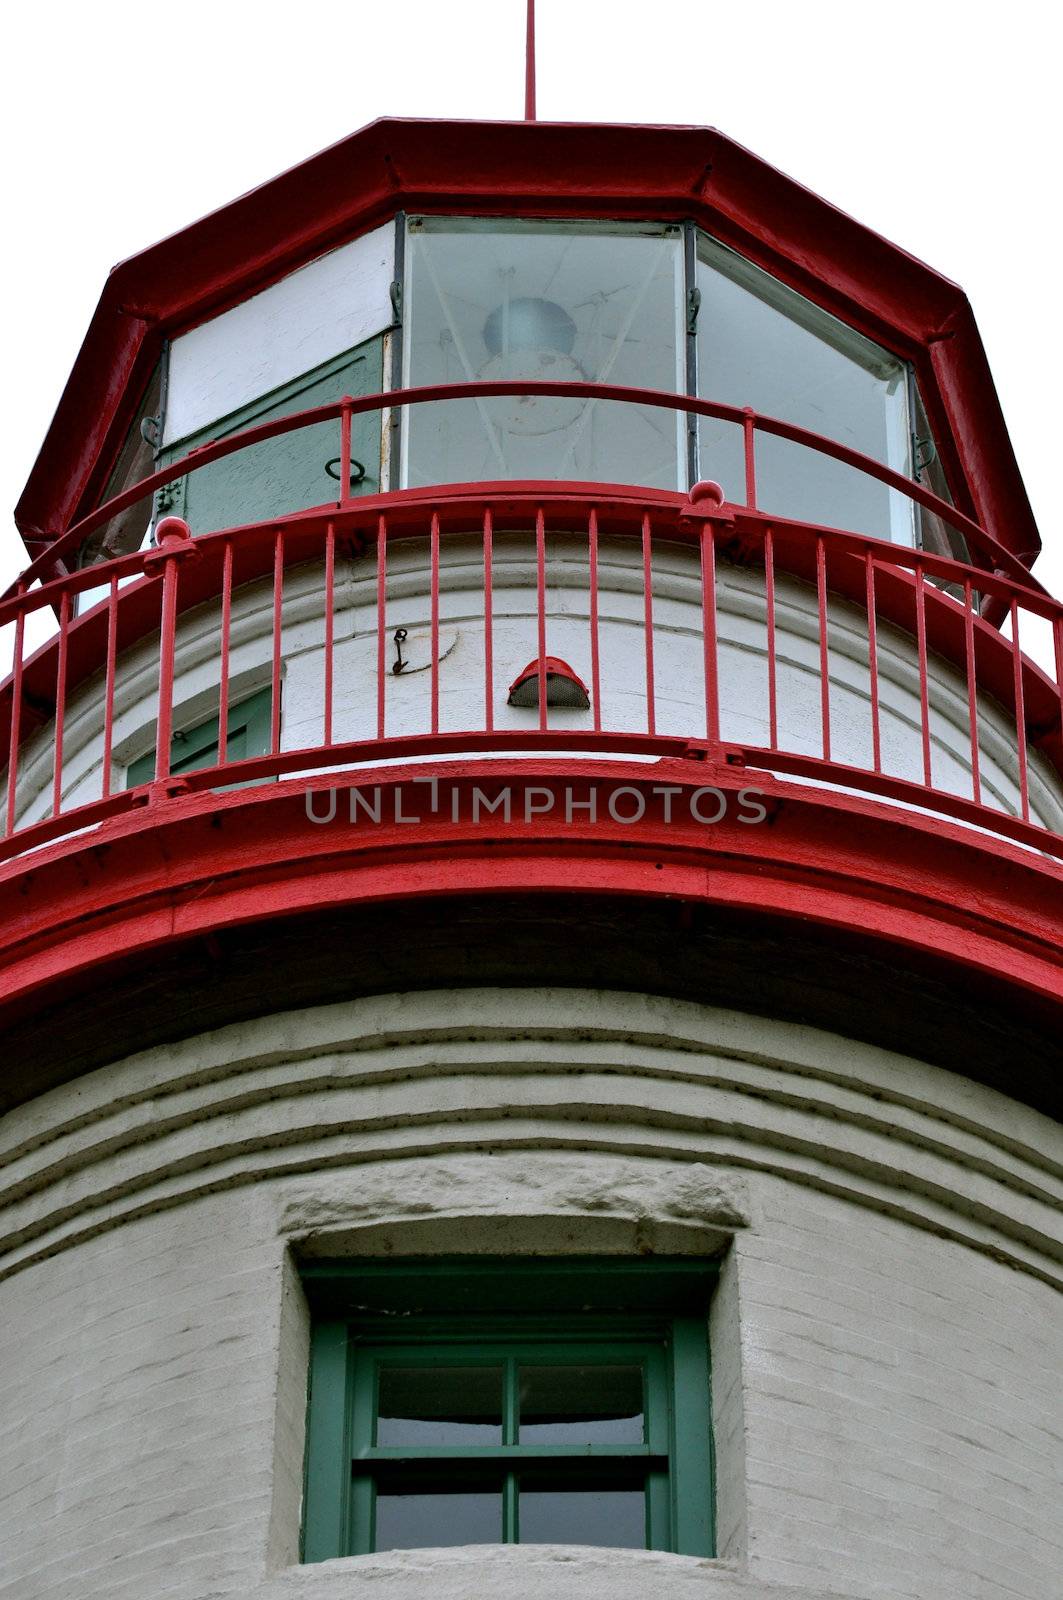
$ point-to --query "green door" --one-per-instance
(288, 473)
(192, 749)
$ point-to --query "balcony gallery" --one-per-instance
(619, 446)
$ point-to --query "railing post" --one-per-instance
(703, 512)
(16, 717)
(647, 602)
(750, 451)
(173, 541)
(108, 688)
(596, 672)
(345, 450)
(60, 704)
(540, 606)
(489, 622)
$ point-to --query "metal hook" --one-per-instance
(399, 637)
(921, 463)
(357, 470)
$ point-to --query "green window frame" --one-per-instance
(292, 471)
(192, 749)
(571, 1331)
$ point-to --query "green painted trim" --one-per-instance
(659, 1444)
(667, 1334)
(328, 1472)
(693, 1490)
(192, 749)
(289, 472)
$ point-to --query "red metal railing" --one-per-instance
(985, 551)
(830, 586)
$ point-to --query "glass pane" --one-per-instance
(581, 1405)
(550, 302)
(294, 470)
(762, 345)
(439, 1405)
(412, 1521)
(602, 1516)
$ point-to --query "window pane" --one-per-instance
(551, 302)
(598, 1516)
(439, 1405)
(412, 1521)
(581, 1405)
(762, 345)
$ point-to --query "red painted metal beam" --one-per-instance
(251, 553)
(995, 556)
(209, 862)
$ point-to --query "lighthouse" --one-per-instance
(531, 870)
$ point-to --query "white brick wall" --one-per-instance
(902, 1408)
(886, 1337)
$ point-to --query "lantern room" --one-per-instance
(657, 259)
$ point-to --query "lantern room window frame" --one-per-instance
(374, 1318)
(912, 450)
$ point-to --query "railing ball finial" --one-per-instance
(707, 491)
(172, 531)
(705, 503)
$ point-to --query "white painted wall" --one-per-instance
(679, 673)
(886, 1339)
(293, 326)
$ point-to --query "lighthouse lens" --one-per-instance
(529, 325)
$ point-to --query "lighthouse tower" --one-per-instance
(532, 916)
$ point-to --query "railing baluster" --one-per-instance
(278, 614)
(872, 662)
(769, 607)
(749, 443)
(381, 620)
(167, 637)
(108, 686)
(1057, 632)
(1020, 713)
(345, 451)
(972, 690)
(60, 703)
(434, 543)
(540, 591)
(983, 645)
(226, 637)
(924, 682)
(596, 665)
(710, 642)
(16, 717)
(647, 593)
(489, 623)
(824, 649)
(330, 626)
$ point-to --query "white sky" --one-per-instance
(936, 123)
